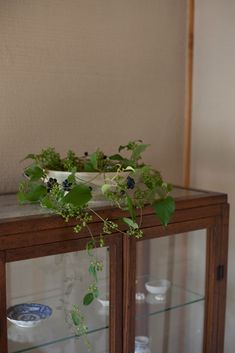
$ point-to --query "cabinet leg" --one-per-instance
(217, 250)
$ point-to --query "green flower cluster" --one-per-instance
(132, 185)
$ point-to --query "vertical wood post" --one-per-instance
(116, 298)
(129, 262)
(188, 93)
(215, 304)
(223, 277)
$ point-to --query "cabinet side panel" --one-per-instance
(217, 245)
(223, 281)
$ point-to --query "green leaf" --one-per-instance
(129, 168)
(88, 167)
(78, 196)
(94, 160)
(92, 271)
(75, 318)
(130, 207)
(96, 292)
(105, 188)
(116, 157)
(122, 147)
(88, 299)
(21, 197)
(34, 172)
(34, 193)
(29, 156)
(164, 209)
(89, 247)
(130, 223)
(47, 202)
(71, 178)
(136, 154)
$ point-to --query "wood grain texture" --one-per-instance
(129, 263)
(188, 93)
(32, 237)
(116, 295)
(223, 282)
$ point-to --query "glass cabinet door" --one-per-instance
(58, 282)
(170, 289)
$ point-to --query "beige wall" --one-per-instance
(213, 149)
(81, 73)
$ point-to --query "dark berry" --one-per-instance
(66, 185)
(130, 182)
(90, 188)
(51, 182)
(86, 154)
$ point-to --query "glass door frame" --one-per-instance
(213, 219)
(113, 241)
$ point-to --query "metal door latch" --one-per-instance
(220, 273)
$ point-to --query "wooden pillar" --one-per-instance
(188, 93)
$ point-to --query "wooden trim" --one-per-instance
(217, 252)
(116, 298)
(223, 282)
(177, 228)
(129, 262)
(39, 237)
(53, 248)
(51, 222)
(210, 312)
(188, 93)
(206, 212)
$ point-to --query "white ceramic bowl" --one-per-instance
(104, 301)
(93, 179)
(90, 178)
(158, 287)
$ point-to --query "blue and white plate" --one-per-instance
(28, 314)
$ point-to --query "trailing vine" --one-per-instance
(131, 185)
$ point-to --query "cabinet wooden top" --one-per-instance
(11, 210)
(27, 226)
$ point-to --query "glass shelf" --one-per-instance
(176, 331)
(55, 329)
(173, 322)
(176, 297)
(58, 281)
(24, 340)
(68, 344)
(57, 332)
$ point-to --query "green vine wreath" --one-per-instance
(126, 182)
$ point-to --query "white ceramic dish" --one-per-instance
(28, 314)
(93, 179)
(104, 301)
(158, 287)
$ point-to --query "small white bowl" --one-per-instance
(158, 287)
(104, 301)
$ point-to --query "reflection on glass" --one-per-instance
(10, 207)
(171, 283)
(59, 282)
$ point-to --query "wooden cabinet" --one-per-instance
(43, 260)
